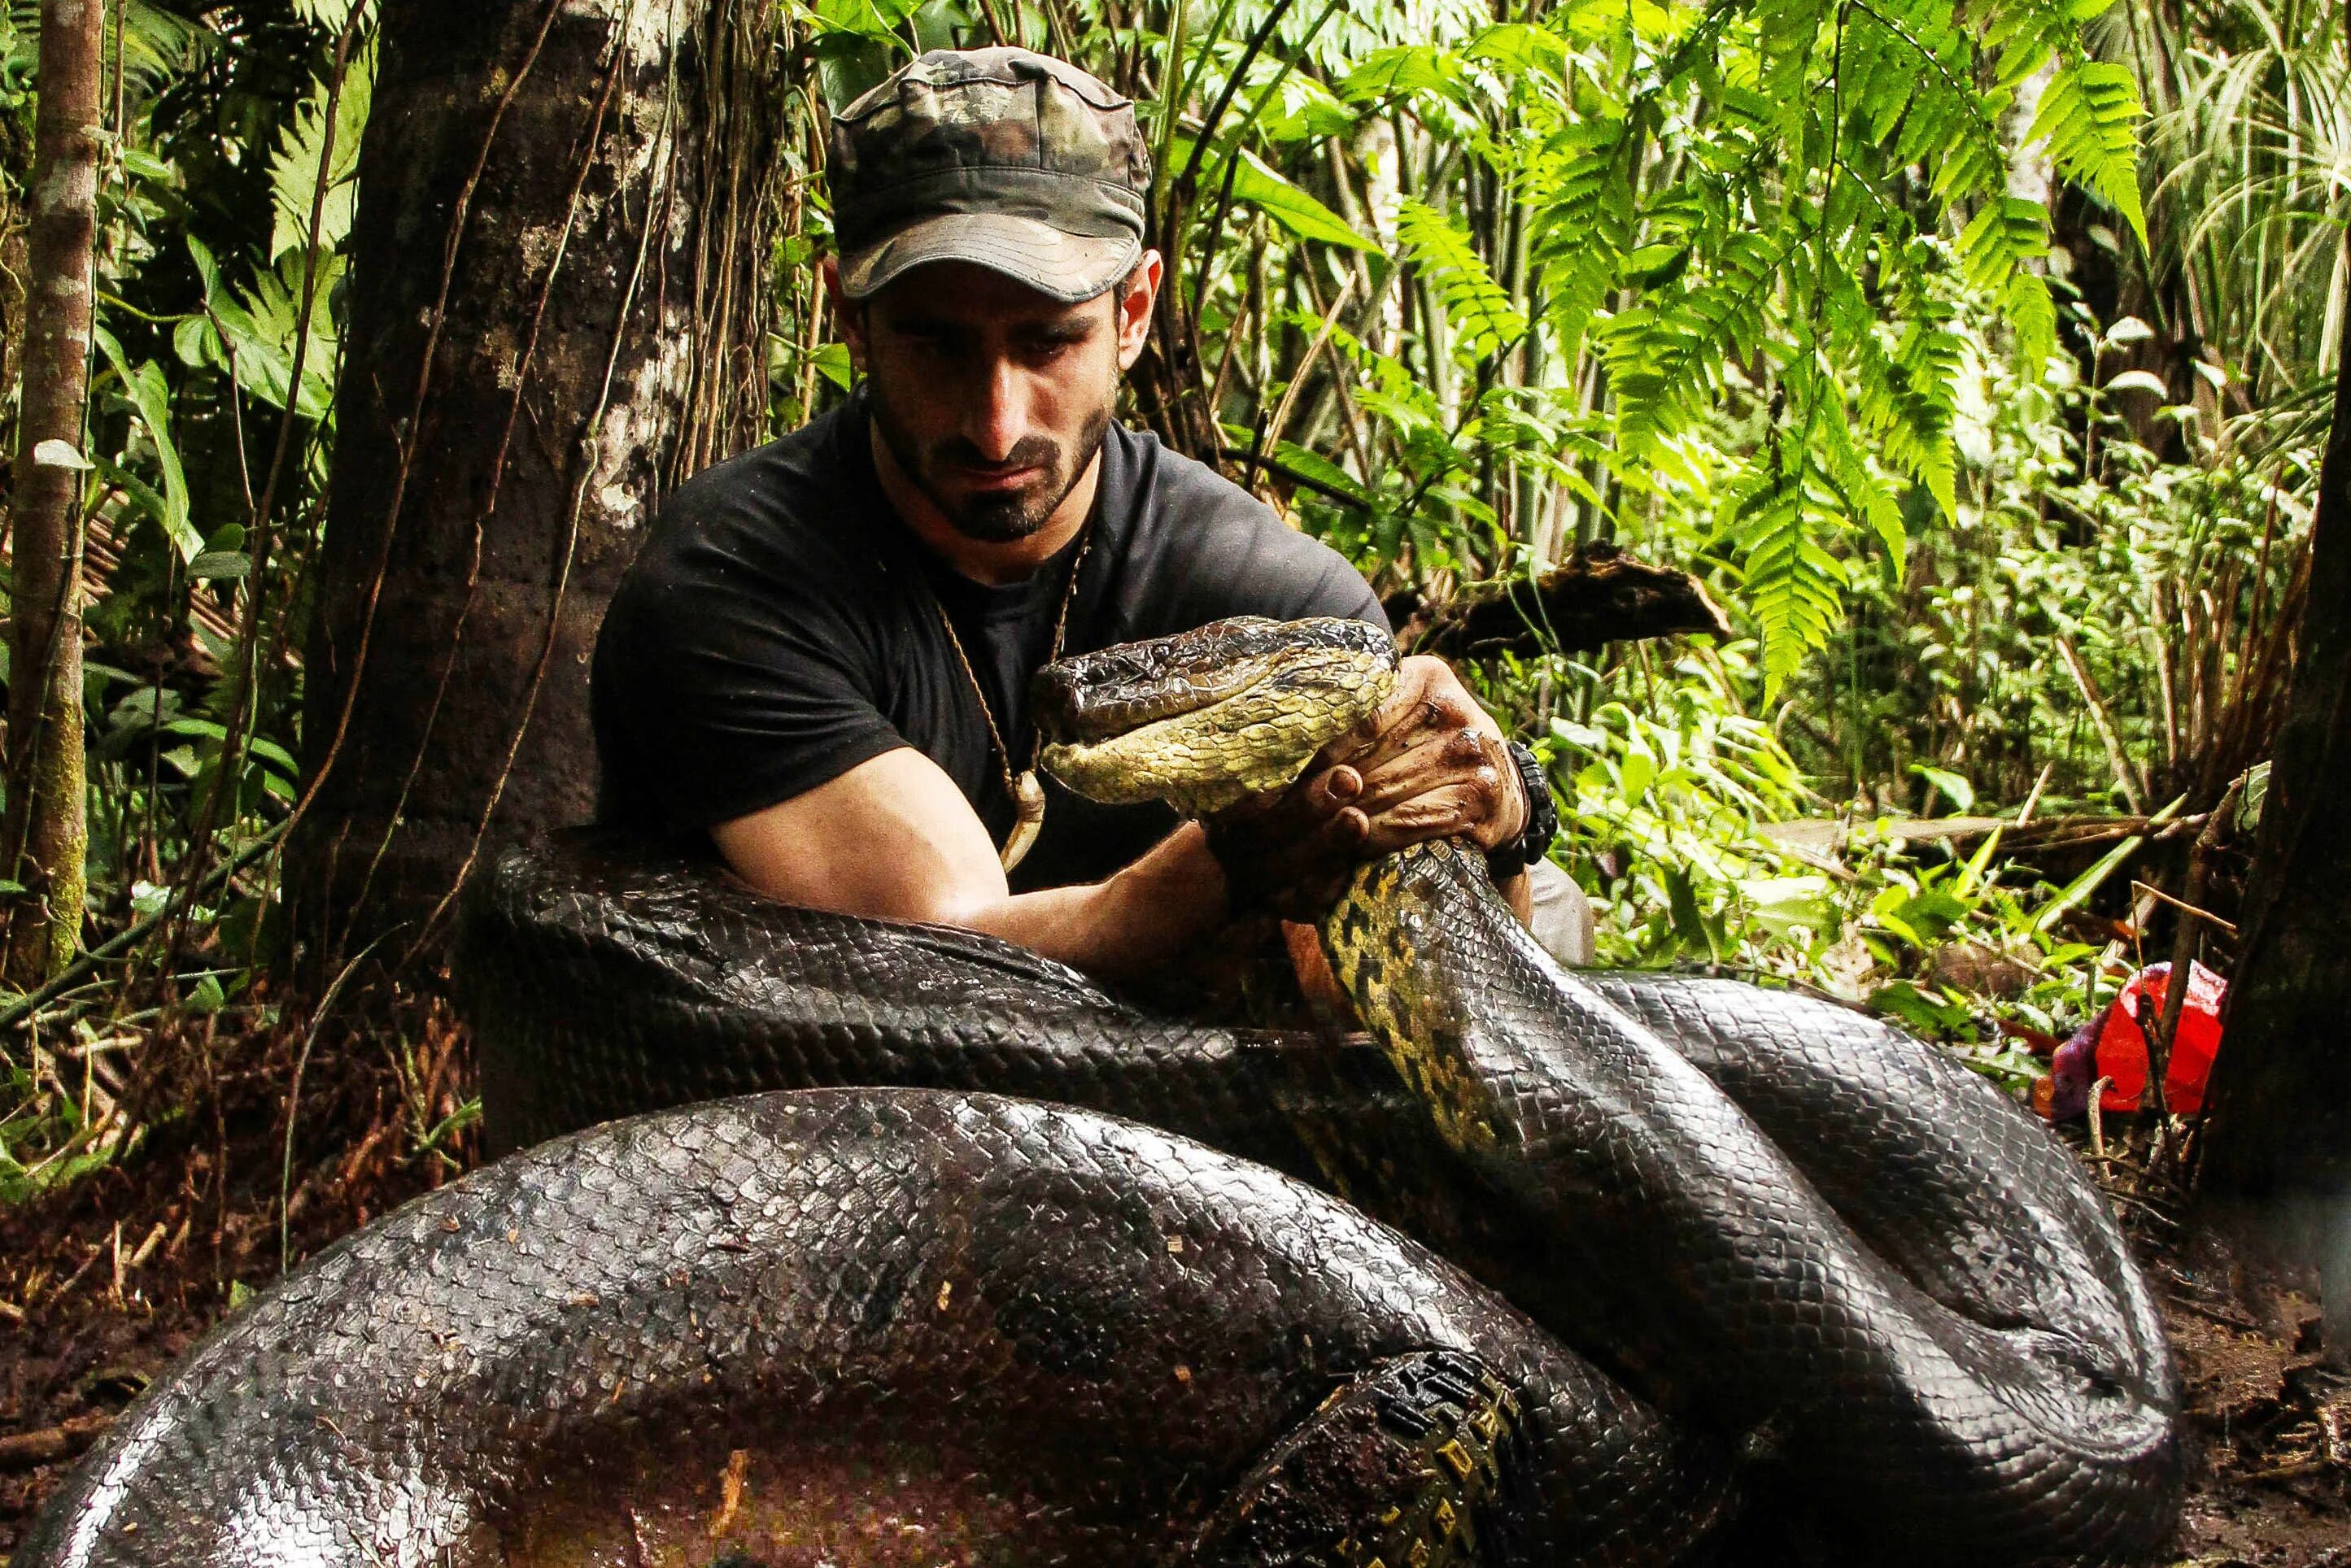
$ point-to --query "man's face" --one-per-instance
(991, 398)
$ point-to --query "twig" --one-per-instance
(1281, 410)
(146, 1249)
(2185, 944)
(294, 1101)
(2097, 1119)
(2024, 815)
(2183, 906)
(2214, 1314)
(31, 1451)
(2134, 790)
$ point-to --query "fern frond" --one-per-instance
(2090, 117)
(293, 172)
(1904, 402)
(2006, 233)
(1586, 228)
(1664, 356)
(1479, 308)
(2034, 316)
(1864, 494)
(1793, 585)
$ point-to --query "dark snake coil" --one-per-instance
(1796, 1253)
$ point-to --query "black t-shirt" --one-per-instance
(781, 626)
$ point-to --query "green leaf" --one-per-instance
(833, 363)
(151, 396)
(1256, 184)
(1690, 926)
(1920, 1011)
(1479, 308)
(295, 172)
(2089, 116)
(1583, 736)
(1320, 469)
(1953, 787)
(220, 564)
(1399, 72)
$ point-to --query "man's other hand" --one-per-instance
(1430, 763)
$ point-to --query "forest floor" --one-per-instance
(104, 1284)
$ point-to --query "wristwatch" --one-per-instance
(1505, 861)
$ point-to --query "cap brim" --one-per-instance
(1063, 266)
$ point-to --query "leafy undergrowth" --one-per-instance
(108, 1278)
(1994, 931)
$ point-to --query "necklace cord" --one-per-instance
(1026, 793)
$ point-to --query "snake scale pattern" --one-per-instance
(1548, 1268)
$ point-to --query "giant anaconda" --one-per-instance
(1793, 1249)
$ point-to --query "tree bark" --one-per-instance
(44, 827)
(558, 309)
(2276, 1155)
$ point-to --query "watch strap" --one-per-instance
(1534, 840)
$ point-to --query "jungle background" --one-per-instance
(1978, 359)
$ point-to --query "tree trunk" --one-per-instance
(2276, 1156)
(44, 827)
(558, 309)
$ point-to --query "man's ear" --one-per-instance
(848, 315)
(1133, 299)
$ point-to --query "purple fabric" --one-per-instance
(2075, 1069)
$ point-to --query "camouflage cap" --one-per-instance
(1004, 158)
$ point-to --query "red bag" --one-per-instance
(2122, 1045)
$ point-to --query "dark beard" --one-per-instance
(992, 519)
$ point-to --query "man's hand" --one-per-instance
(1430, 763)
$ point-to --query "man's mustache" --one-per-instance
(1028, 451)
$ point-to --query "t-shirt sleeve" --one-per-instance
(1226, 554)
(721, 687)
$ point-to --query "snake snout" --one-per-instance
(1206, 716)
(1095, 696)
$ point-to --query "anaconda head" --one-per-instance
(1204, 718)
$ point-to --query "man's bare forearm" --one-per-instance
(1139, 917)
(1143, 916)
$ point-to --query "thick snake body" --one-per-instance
(1767, 1226)
(937, 1328)
(2006, 1396)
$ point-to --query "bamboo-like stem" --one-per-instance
(46, 828)
(2134, 789)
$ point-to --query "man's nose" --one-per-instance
(998, 416)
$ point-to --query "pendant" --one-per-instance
(1028, 819)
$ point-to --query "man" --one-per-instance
(820, 660)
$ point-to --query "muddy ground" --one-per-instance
(101, 1287)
